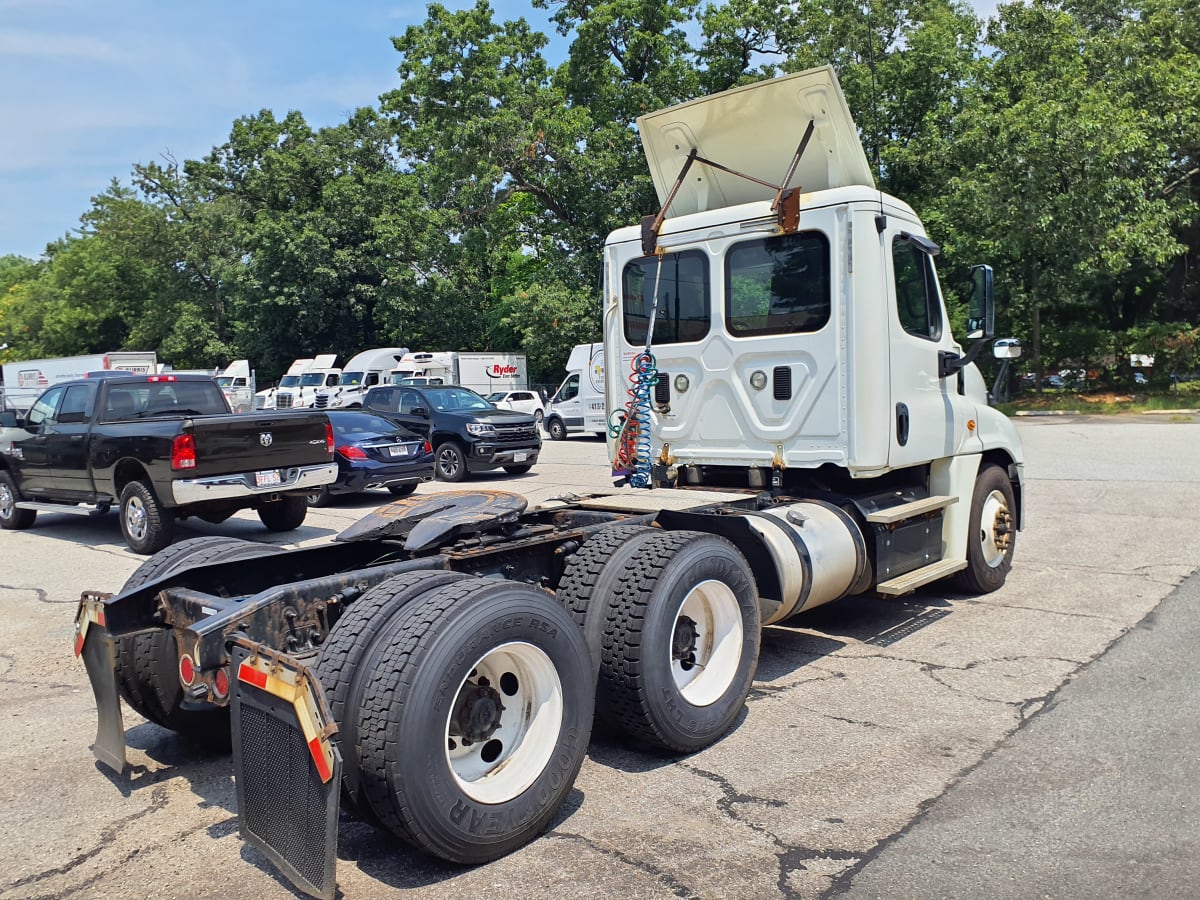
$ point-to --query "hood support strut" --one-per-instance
(786, 203)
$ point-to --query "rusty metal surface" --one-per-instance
(432, 519)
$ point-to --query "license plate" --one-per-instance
(397, 450)
(267, 478)
(519, 457)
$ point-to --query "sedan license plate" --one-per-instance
(519, 457)
(397, 450)
(267, 478)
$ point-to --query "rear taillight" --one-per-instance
(329, 438)
(183, 452)
(428, 447)
(187, 670)
(221, 684)
(352, 452)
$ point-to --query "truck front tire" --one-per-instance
(556, 429)
(476, 719)
(285, 514)
(11, 517)
(146, 525)
(681, 647)
(993, 533)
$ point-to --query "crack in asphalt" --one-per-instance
(665, 878)
(765, 691)
(790, 857)
(158, 800)
(42, 595)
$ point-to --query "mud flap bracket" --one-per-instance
(287, 770)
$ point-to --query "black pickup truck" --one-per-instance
(161, 447)
(468, 433)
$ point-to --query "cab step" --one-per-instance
(910, 581)
(893, 514)
(74, 509)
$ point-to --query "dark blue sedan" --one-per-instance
(374, 452)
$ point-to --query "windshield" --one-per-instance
(350, 378)
(312, 379)
(444, 398)
(398, 374)
(497, 396)
(225, 381)
(289, 381)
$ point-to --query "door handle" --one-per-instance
(902, 421)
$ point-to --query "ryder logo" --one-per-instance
(501, 370)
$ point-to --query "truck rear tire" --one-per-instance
(681, 647)
(11, 517)
(348, 660)
(590, 577)
(285, 514)
(148, 662)
(993, 533)
(476, 719)
(146, 525)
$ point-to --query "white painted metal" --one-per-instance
(505, 765)
(713, 609)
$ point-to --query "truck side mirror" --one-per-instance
(981, 308)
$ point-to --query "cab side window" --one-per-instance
(43, 409)
(918, 301)
(77, 404)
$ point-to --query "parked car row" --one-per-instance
(161, 448)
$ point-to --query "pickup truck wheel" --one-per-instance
(556, 429)
(450, 462)
(319, 496)
(147, 526)
(401, 490)
(10, 516)
(681, 646)
(284, 514)
(349, 656)
(993, 535)
(475, 720)
(148, 662)
(590, 577)
(517, 470)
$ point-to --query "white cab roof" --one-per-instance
(755, 129)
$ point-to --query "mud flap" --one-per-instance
(99, 652)
(288, 772)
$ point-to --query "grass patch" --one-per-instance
(1104, 402)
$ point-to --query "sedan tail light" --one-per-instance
(352, 452)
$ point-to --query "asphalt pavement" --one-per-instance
(1097, 795)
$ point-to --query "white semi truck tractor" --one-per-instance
(791, 420)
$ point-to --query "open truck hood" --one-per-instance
(755, 130)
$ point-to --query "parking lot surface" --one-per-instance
(864, 715)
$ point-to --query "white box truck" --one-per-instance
(359, 375)
(579, 404)
(25, 381)
(484, 373)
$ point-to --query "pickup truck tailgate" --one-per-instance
(244, 443)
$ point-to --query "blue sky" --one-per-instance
(88, 89)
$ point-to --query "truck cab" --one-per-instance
(320, 376)
(364, 371)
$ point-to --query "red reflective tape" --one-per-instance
(251, 675)
(318, 755)
(100, 616)
(78, 644)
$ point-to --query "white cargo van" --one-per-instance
(578, 404)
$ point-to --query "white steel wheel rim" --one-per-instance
(995, 508)
(135, 518)
(712, 607)
(512, 757)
